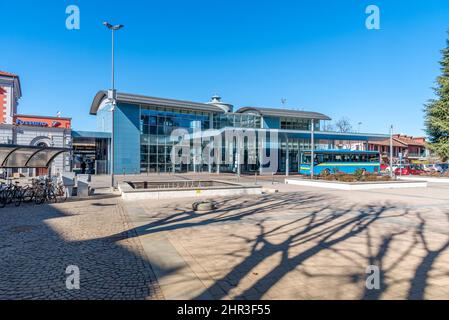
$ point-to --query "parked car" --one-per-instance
(429, 168)
(403, 171)
(386, 168)
(416, 169)
(409, 170)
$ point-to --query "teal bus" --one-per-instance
(346, 161)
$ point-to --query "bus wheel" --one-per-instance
(325, 172)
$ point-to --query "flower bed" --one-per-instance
(358, 176)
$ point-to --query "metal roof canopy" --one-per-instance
(152, 101)
(288, 113)
(17, 156)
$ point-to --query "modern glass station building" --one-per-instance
(143, 127)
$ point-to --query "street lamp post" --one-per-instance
(112, 96)
(312, 148)
(391, 151)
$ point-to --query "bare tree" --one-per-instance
(329, 127)
(343, 125)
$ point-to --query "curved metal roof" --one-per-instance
(273, 112)
(16, 156)
(152, 101)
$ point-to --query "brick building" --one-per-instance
(31, 130)
(10, 93)
(411, 148)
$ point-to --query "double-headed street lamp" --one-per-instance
(112, 95)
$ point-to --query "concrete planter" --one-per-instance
(427, 179)
(357, 185)
(228, 189)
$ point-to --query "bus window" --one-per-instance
(355, 158)
(327, 157)
(306, 158)
(373, 158)
(338, 158)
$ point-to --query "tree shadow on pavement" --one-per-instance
(421, 276)
(321, 232)
(314, 225)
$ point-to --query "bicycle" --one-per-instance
(45, 192)
(60, 190)
(3, 194)
(10, 193)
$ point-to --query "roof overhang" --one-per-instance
(91, 134)
(17, 156)
(386, 142)
(101, 96)
(272, 112)
(13, 80)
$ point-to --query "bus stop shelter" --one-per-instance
(17, 156)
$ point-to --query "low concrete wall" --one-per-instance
(357, 186)
(129, 194)
(427, 179)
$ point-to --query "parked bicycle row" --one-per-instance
(39, 191)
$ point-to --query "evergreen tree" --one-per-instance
(437, 111)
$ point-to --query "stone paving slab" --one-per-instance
(176, 278)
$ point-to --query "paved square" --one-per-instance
(301, 244)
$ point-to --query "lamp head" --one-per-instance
(111, 27)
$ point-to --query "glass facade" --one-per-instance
(156, 126)
(236, 120)
(158, 122)
(298, 124)
(295, 146)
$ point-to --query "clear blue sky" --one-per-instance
(316, 54)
